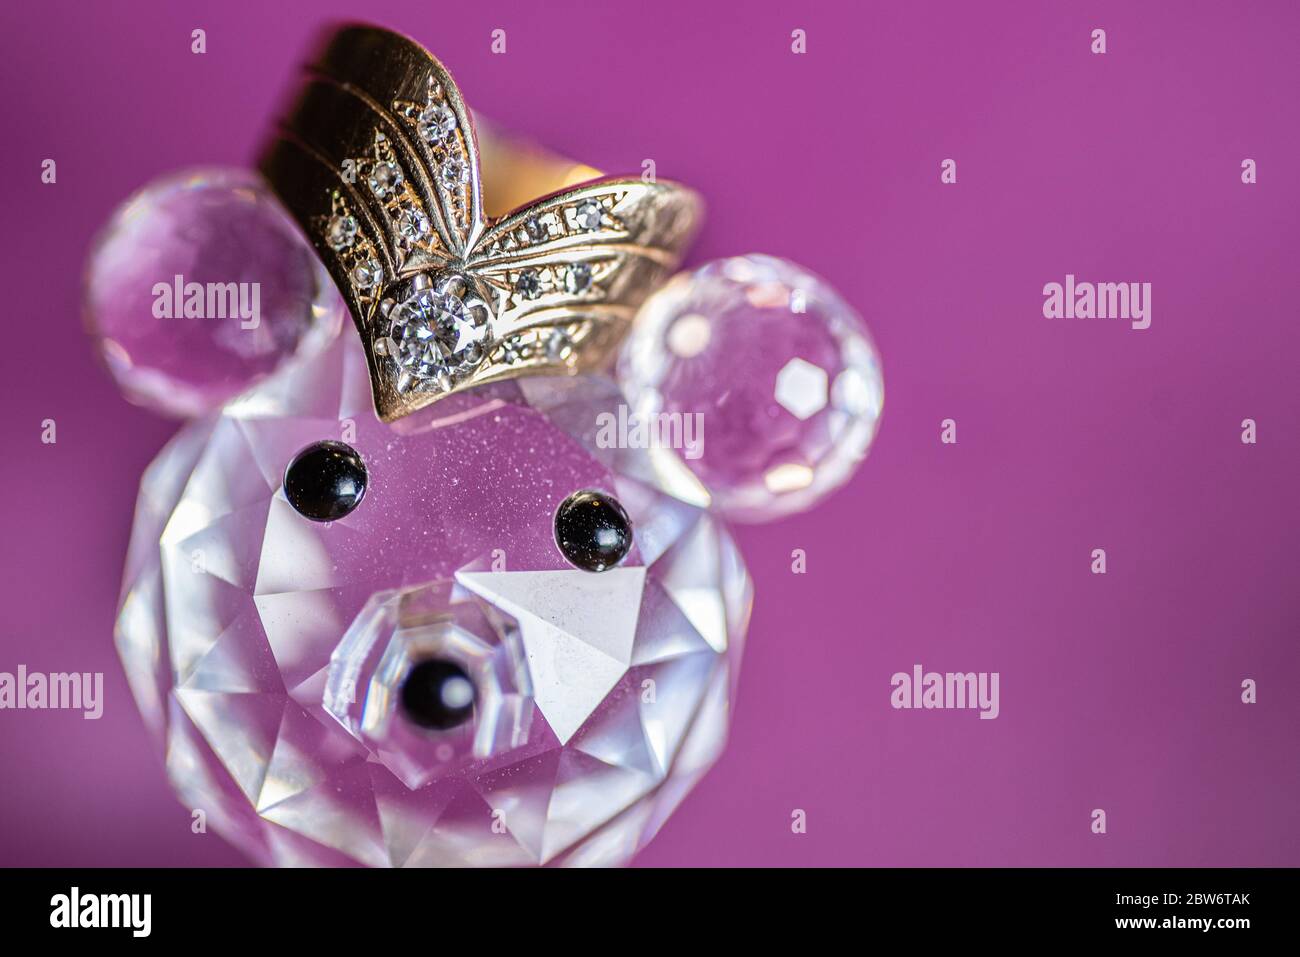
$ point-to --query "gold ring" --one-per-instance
(450, 280)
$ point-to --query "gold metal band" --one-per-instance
(450, 279)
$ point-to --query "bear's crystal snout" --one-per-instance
(400, 633)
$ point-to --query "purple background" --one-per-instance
(1118, 691)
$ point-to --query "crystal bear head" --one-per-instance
(390, 644)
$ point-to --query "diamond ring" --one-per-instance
(455, 277)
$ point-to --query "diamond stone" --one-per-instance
(453, 173)
(437, 123)
(558, 345)
(341, 232)
(269, 682)
(412, 224)
(368, 274)
(513, 350)
(536, 230)
(588, 214)
(385, 178)
(439, 335)
(577, 278)
(529, 284)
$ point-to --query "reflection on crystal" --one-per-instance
(790, 477)
(271, 675)
(779, 366)
(801, 388)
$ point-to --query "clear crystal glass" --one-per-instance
(220, 232)
(264, 649)
(780, 371)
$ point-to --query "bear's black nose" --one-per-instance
(437, 694)
(325, 481)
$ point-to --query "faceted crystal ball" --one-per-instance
(428, 680)
(778, 371)
(199, 286)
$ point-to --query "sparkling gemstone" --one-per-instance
(453, 172)
(439, 335)
(173, 331)
(437, 123)
(592, 530)
(385, 178)
(779, 366)
(529, 284)
(340, 232)
(513, 350)
(558, 345)
(325, 481)
(368, 274)
(272, 678)
(577, 278)
(536, 229)
(412, 224)
(587, 215)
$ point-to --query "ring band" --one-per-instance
(450, 281)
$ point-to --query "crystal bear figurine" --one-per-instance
(394, 662)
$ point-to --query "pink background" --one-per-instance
(1118, 691)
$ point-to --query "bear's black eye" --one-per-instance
(592, 530)
(325, 481)
(437, 694)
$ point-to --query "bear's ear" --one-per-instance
(199, 286)
(776, 363)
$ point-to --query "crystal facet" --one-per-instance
(199, 286)
(273, 676)
(782, 370)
